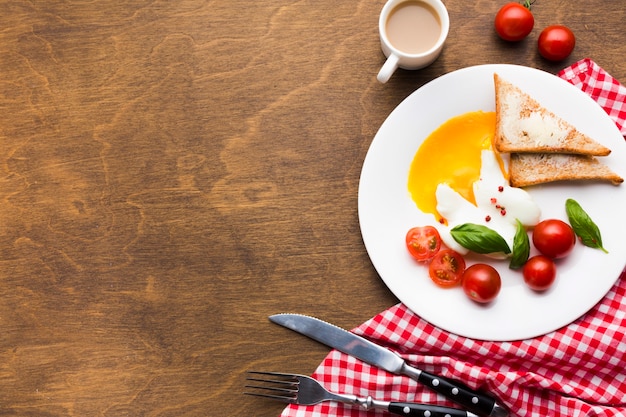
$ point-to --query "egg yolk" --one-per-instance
(451, 155)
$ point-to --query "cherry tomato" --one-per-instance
(423, 242)
(554, 238)
(514, 22)
(556, 42)
(446, 269)
(481, 283)
(539, 272)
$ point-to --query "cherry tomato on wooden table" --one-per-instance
(539, 272)
(554, 238)
(423, 242)
(514, 21)
(446, 269)
(481, 283)
(556, 42)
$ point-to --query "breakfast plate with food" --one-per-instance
(491, 158)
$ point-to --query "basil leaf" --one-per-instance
(479, 239)
(583, 226)
(521, 247)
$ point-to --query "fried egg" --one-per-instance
(468, 183)
(451, 155)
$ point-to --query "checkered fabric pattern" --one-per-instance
(606, 90)
(576, 371)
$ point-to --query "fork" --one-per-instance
(304, 390)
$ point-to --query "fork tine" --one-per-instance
(284, 376)
(282, 379)
(289, 400)
(283, 387)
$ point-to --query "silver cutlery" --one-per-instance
(304, 390)
(361, 348)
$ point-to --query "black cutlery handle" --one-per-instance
(471, 400)
(421, 410)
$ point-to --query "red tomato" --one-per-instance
(423, 242)
(556, 42)
(539, 272)
(482, 283)
(446, 268)
(514, 22)
(554, 238)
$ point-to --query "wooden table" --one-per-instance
(173, 172)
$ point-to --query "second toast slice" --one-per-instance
(534, 168)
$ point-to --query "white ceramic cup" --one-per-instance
(401, 59)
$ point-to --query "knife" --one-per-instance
(361, 348)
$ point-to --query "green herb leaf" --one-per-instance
(521, 247)
(583, 226)
(479, 239)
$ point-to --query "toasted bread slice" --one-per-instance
(534, 168)
(523, 125)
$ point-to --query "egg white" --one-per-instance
(498, 205)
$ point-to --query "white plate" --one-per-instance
(386, 210)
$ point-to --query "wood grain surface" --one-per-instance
(173, 172)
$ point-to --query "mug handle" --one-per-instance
(389, 67)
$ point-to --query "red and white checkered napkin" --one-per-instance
(579, 370)
(606, 90)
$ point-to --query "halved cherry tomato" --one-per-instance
(482, 283)
(539, 272)
(556, 42)
(554, 238)
(423, 242)
(446, 269)
(514, 22)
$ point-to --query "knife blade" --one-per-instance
(373, 354)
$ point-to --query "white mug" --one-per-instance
(411, 60)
